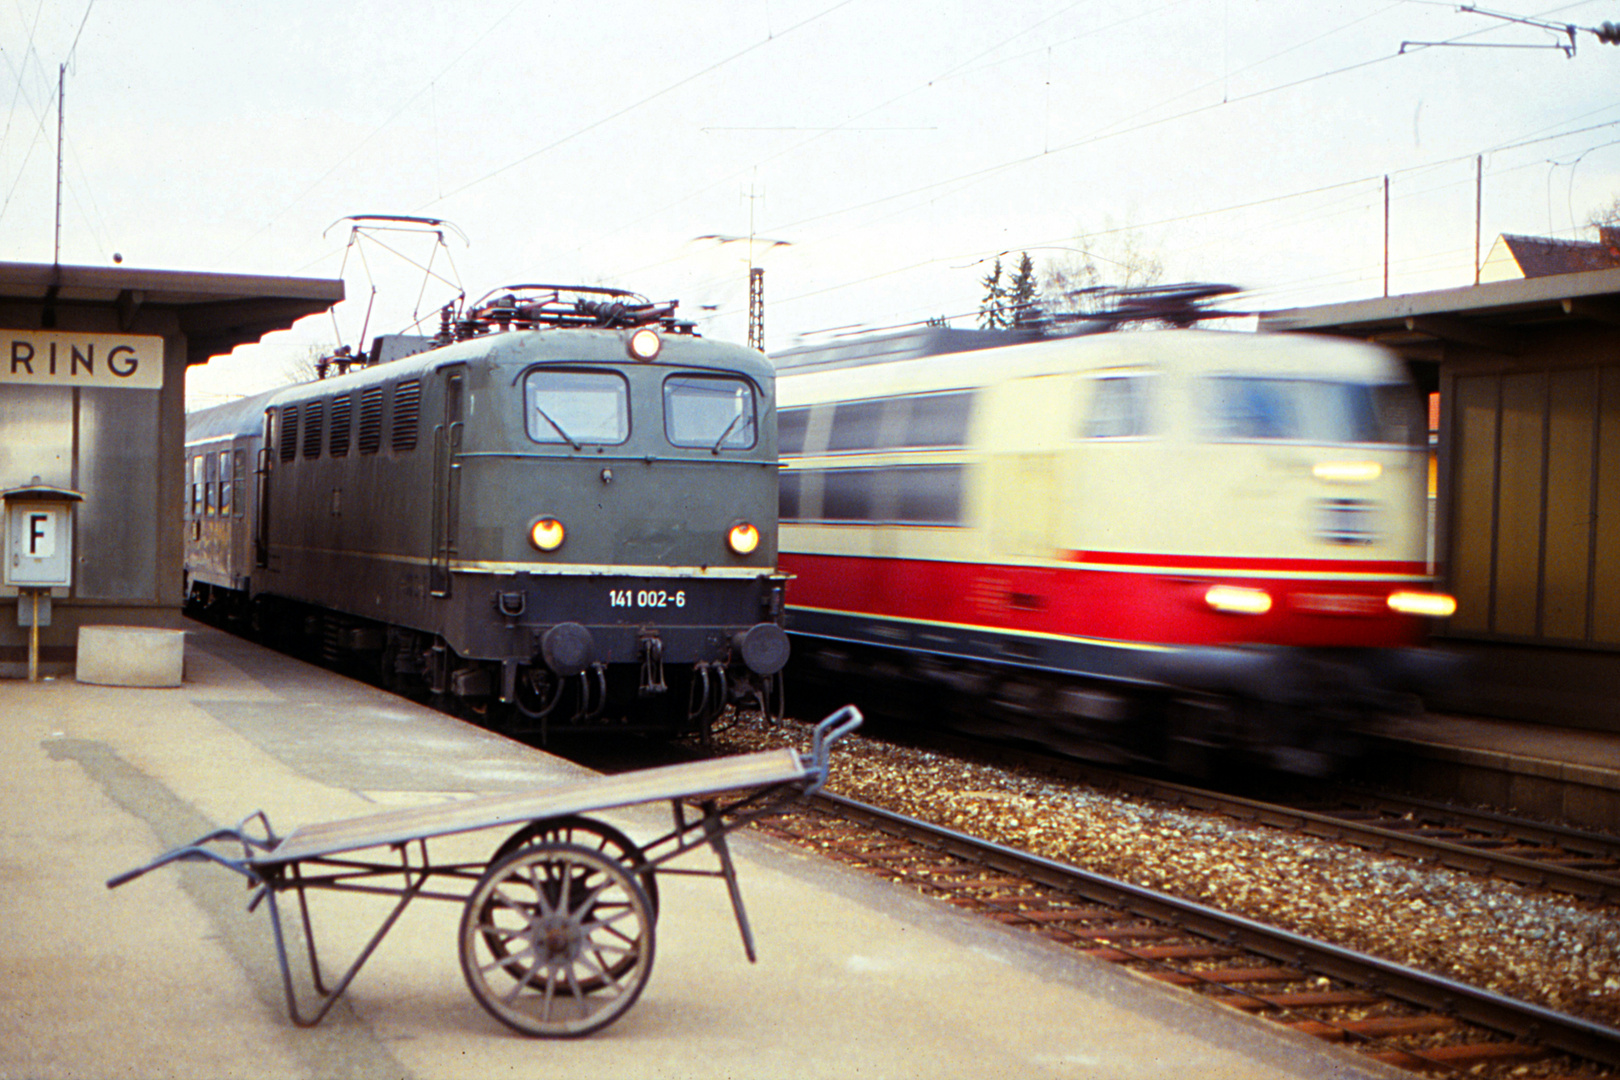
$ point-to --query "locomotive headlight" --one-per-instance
(546, 534)
(645, 343)
(1347, 472)
(1434, 605)
(1238, 600)
(742, 538)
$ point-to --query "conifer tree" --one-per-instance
(1022, 291)
(993, 308)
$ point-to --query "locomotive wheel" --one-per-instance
(566, 917)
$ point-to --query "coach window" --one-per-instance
(226, 489)
(856, 425)
(709, 411)
(848, 494)
(238, 482)
(574, 408)
(787, 496)
(929, 495)
(937, 420)
(197, 486)
(210, 466)
(791, 427)
(1119, 407)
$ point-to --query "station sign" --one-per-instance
(55, 358)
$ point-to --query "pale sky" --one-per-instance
(893, 145)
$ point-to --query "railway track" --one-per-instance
(1394, 1014)
(1537, 854)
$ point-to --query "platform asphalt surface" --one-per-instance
(169, 976)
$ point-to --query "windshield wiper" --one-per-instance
(715, 449)
(558, 428)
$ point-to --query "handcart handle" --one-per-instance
(829, 731)
(196, 851)
(189, 853)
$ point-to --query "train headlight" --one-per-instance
(742, 538)
(1347, 472)
(1238, 599)
(546, 534)
(645, 343)
(1434, 605)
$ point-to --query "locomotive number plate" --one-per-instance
(646, 598)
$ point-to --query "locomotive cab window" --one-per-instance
(574, 408)
(709, 411)
(1253, 408)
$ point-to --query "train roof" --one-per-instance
(1193, 351)
(515, 348)
(231, 420)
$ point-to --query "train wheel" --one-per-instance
(577, 940)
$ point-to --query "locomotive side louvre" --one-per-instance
(1113, 518)
(403, 506)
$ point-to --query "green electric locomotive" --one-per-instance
(560, 513)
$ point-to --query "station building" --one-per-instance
(92, 435)
(1527, 477)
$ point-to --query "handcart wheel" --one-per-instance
(576, 940)
(586, 832)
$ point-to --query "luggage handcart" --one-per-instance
(557, 928)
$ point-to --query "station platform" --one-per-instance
(1562, 774)
(170, 976)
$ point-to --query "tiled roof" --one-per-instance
(1542, 256)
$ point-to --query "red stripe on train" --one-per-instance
(1247, 563)
(1074, 601)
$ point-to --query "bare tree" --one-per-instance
(1086, 280)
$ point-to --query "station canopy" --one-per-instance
(215, 312)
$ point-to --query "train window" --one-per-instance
(210, 466)
(313, 415)
(929, 495)
(937, 420)
(787, 496)
(239, 483)
(1250, 408)
(407, 415)
(1119, 407)
(791, 428)
(848, 494)
(342, 417)
(856, 425)
(197, 486)
(289, 432)
(226, 487)
(577, 407)
(371, 403)
(709, 411)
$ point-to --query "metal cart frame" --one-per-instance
(557, 931)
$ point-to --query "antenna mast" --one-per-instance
(61, 89)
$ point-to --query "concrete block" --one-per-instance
(131, 656)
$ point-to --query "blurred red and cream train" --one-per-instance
(1181, 546)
